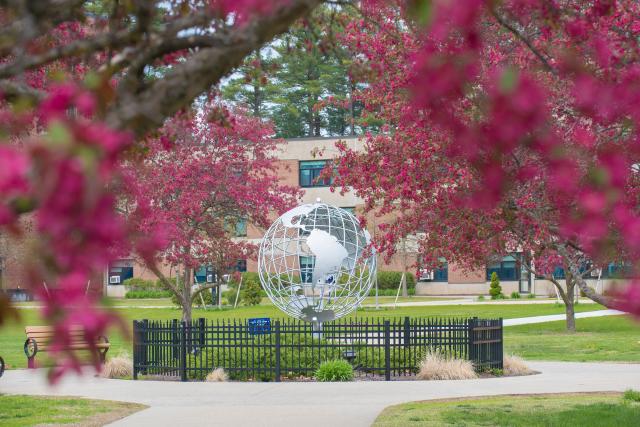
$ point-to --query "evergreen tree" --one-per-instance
(300, 82)
(495, 290)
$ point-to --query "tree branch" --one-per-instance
(523, 39)
(149, 108)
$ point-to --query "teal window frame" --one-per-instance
(309, 172)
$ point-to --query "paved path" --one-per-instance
(556, 317)
(473, 301)
(311, 404)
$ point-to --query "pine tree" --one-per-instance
(495, 290)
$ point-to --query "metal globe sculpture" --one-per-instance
(315, 262)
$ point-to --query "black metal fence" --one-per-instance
(291, 348)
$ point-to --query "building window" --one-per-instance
(119, 271)
(441, 274)
(236, 226)
(310, 172)
(204, 275)
(506, 269)
(241, 227)
(306, 268)
(241, 265)
(617, 271)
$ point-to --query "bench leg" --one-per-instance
(103, 357)
(31, 362)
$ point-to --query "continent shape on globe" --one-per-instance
(329, 255)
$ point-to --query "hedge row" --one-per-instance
(391, 280)
(148, 294)
(296, 350)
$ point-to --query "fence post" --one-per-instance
(136, 349)
(183, 353)
(277, 328)
(144, 346)
(501, 345)
(471, 338)
(387, 350)
(407, 332)
(201, 326)
(175, 352)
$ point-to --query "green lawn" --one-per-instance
(32, 410)
(584, 410)
(612, 338)
(12, 335)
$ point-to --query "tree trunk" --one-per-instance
(569, 302)
(570, 314)
(186, 295)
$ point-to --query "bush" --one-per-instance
(481, 298)
(138, 284)
(391, 280)
(119, 367)
(495, 290)
(148, 294)
(436, 366)
(290, 355)
(218, 375)
(515, 295)
(251, 293)
(335, 370)
(514, 366)
(631, 396)
(531, 296)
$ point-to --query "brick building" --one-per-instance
(300, 162)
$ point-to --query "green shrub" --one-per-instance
(631, 396)
(251, 293)
(391, 280)
(138, 284)
(531, 296)
(148, 294)
(197, 301)
(495, 290)
(335, 370)
(294, 351)
(389, 292)
(481, 298)
(515, 295)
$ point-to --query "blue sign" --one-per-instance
(260, 326)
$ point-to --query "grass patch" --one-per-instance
(582, 410)
(12, 334)
(34, 410)
(610, 338)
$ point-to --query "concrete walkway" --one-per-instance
(310, 404)
(473, 301)
(556, 317)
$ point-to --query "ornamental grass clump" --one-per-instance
(119, 367)
(334, 370)
(436, 366)
(514, 365)
(218, 375)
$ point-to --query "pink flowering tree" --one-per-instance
(508, 126)
(204, 172)
(82, 83)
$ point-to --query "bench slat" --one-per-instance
(79, 346)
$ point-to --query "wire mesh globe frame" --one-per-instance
(316, 263)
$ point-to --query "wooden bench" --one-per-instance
(39, 339)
